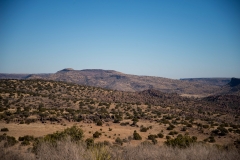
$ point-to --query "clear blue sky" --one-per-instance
(165, 38)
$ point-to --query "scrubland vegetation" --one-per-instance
(69, 144)
(82, 122)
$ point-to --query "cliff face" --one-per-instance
(234, 82)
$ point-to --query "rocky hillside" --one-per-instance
(50, 94)
(111, 79)
(209, 81)
(124, 82)
(232, 88)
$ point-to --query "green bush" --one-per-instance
(26, 138)
(74, 133)
(124, 123)
(4, 130)
(144, 129)
(151, 136)
(160, 135)
(99, 123)
(181, 141)
(154, 141)
(136, 136)
(170, 127)
(173, 133)
(96, 134)
(118, 141)
(25, 143)
(89, 142)
(221, 131)
(9, 140)
(211, 139)
(184, 128)
(205, 126)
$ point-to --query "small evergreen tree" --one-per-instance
(136, 136)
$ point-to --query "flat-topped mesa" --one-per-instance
(99, 70)
(67, 69)
(234, 82)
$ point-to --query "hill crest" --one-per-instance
(115, 80)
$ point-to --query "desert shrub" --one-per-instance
(160, 135)
(25, 143)
(118, 141)
(74, 133)
(205, 126)
(154, 141)
(106, 143)
(21, 122)
(237, 143)
(1, 109)
(144, 129)
(221, 131)
(146, 143)
(164, 121)
(200, 152)
(26, 138)
(64, 149)
(124, 123)
(116, 120)
(181, 141)
(211, 139)
(237, 131)
(184, 128)
(136, 136)
(153, 138)
(99, 123)
(81, 104)
(234, 126)
(99, 152)
(135, 120)
(9, 140)
(14, 153)
(170, 127)
(28, 121)
(4, 130)
(89, 142)
(69, 150)
(173, 133)
(224, 125)
(97, 134)
(230, 129)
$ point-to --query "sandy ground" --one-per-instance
(39, 129)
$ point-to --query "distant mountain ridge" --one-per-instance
(125, 82)
(209, 81)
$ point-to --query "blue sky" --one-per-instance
(164, 38)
